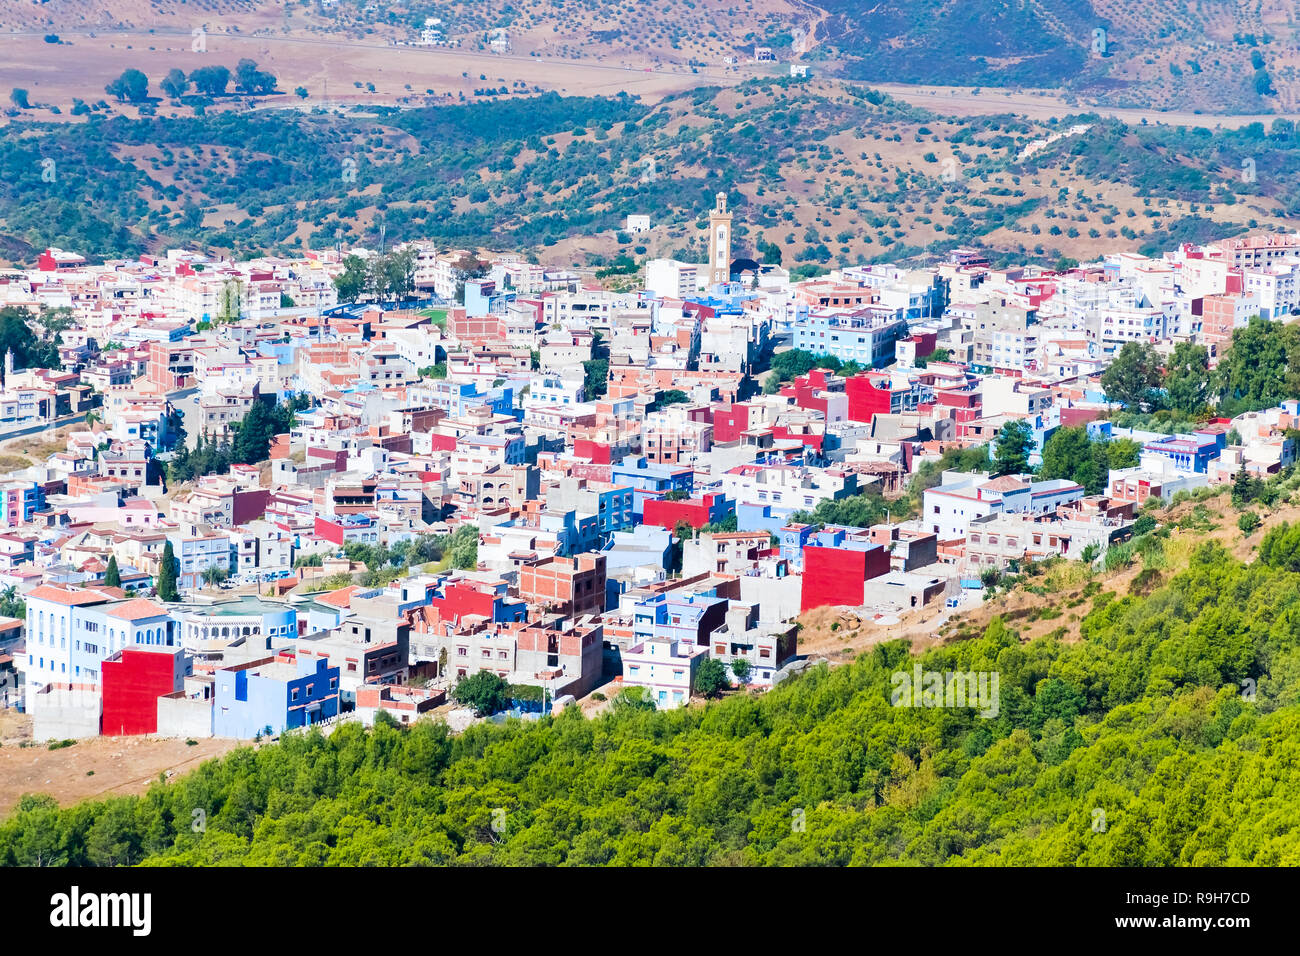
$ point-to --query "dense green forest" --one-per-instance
(1177, 716)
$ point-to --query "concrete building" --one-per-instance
(664, 668)
(274, 694)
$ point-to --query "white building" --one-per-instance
(961, 497)
(71, 631)
(670, 279)
(665, 668)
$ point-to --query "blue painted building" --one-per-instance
(274, 695)
(687, 618)
(793, 537)
(756, 517)
(866, 336)
(195, 555)
(650, 481)
(1185, 453)
(615, 510)
(482, 298)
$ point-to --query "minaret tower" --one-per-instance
(720, 242)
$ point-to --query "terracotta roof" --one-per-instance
(1005, 483)
(136, 609)
(65, 596)
(340, 598)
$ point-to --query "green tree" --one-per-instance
(17, 335)
(112, 577)
(399, 273)
(1187, 378)
(174, 84)
(741, 668)
(1259, 369)
(1123, 453)
(711, 678)
(253, 437)
(351, 282)
(1015, 441)
(131, 87)
(1248, 522)
(211, 80)
(18, 97)
(1132, 376)
(595, 378)
(1072, 455)
(464, 548)
(483, 691)
(11, 605)
(167, 575)
(1245, 488)
(230, 305)
(249, 79)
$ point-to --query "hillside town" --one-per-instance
(251, 504)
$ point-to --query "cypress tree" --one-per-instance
(112, 577)
(167, 575)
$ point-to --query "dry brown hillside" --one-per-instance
(1070, 588)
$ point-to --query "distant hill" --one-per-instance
(1217, 56)
(818, 175)
(1164, 53)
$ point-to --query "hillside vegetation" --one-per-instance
(818, 176)
(1174, 718)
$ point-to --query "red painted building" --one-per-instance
(833, 576)
(598, 453)
(133, 680)
(871, 395)
(697, 512)
(455, 600)
(729, 422)
(806, 390)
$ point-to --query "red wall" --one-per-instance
(729, 422)
(458, 600)
(1077, 416)
(865, 400)
(836, 575)
(132, 687)
(328, 531)
(443, 442)
(696, 512)
(248, 505)
(598, 453)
